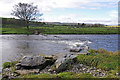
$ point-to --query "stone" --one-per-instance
(81, 65)
(117, 74)
(32, 61)
(65, 62)
(18, 67)
(98, 69)
(84, 69)
(88, 71)
(48, 57)
(75, 50)
(18, 64)
(49, 70)
(86, 48)
(94, 68)
(21, 72)
(54, 57)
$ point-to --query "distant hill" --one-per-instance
(12, 22)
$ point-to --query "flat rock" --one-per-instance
(32, 61)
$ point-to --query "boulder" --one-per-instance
(35, 62)
(31, 61)
(64, 62)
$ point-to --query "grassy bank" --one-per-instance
(61, 30)
(101, 59)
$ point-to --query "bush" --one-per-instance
(9, 64)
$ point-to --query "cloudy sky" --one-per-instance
(75, 11)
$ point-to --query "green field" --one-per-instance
(61, 30)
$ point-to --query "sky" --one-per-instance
(69, 11)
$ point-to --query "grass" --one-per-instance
(63, 75)
(61, 30)
(104, 59)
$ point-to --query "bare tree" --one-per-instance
(26, 12)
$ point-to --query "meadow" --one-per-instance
(61, 30)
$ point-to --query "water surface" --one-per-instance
(15, 46)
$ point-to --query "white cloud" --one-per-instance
(75, 18)
(114, 16)
(114, 13)
(47, 6)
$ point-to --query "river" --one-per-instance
(13, 47)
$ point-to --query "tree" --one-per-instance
(26, 12)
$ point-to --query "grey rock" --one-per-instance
(18, 67)
(81, 65)
(86, 48)
(84, 69)
(75, 50)
(88, 71)
(49, 70)
(18, 64)
(117, 74)
(98, 69)
(62, 63)
(32, 61)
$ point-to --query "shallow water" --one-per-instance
(15, 46)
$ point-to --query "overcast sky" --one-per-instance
(77, 11)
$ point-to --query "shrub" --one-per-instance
(7, 64)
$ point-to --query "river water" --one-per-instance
(13, 47)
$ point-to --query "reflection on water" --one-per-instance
(15, 46)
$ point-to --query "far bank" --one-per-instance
(60, 30)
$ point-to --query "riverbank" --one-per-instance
(98, 64)
(61, 30)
